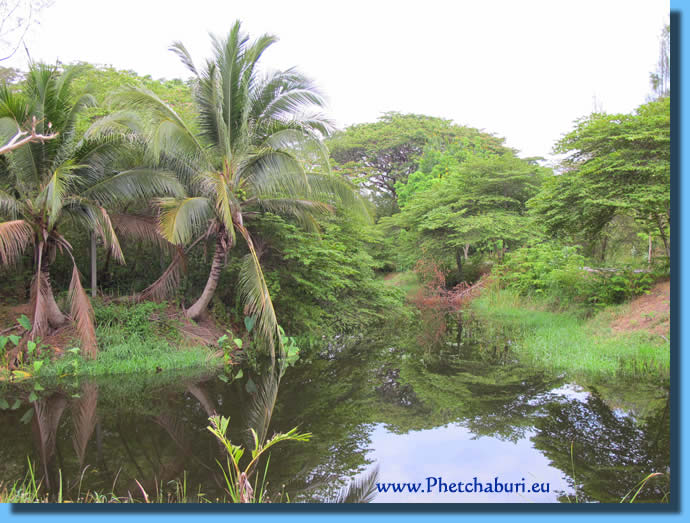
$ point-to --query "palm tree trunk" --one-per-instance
(200, 306)
(55, 317)
(52, 311)
(93, 264)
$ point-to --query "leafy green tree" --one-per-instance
(326, 280)
(102, 81)
(50, 185)
(617, 164)
(477, 203)
(381, 155)
(247, 158)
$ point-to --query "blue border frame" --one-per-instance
(401, 513)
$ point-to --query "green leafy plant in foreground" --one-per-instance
(237, 479)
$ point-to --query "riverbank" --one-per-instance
(132, 338)
(628, 340)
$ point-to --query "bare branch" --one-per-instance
(24, 137)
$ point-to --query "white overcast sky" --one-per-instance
(523, 70)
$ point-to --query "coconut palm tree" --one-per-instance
(66, 181)
(256, 146)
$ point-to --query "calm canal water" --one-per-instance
(373, 408)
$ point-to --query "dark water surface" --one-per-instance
(370, 407)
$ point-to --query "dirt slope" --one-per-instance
(650, 312)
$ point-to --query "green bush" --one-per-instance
(557, 272)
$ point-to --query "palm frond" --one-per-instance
(168, 283)
(141, 99)
(182, 219)
(255, 295)
(280, 95)
(303, 210)
(261, 407)
(10, 206)
(47, 414)
(360, 490)
(94, 218)
(140, 227)
(14, 238)
(52, 195)
(181, 51)
(82, 314)
(84, 419)
(134, 184)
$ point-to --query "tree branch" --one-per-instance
(23, 137)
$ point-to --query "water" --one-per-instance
(373, 408)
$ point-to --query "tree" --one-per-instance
(246, 158)
(463, 203)
(617, 165)
(661, 79)
(380, 155)
(50, 184)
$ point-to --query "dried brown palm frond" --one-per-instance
(176, 429)
(84, 419)
(82, 314)
(140, 227)
(169, 281)
(14, 237)
(46, 418)
(201, 395)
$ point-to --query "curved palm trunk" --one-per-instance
(55, 316)
(43, 303)
(200, 306)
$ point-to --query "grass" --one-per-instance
(407, 281)
(564, 342)
(29, 490)
(139, 338)
(133, 355)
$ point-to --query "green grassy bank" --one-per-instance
(563, 342)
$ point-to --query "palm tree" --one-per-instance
(246, 153)
(66, 181)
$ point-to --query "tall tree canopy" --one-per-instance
(379, 155)
(616, 164)
(465, 202)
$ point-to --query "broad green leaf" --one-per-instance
(26, 418)
(3, 404)
(24, 322)
(33, 396)
(249, 322)
(38, 386)
(239, 374)
(14, 339)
